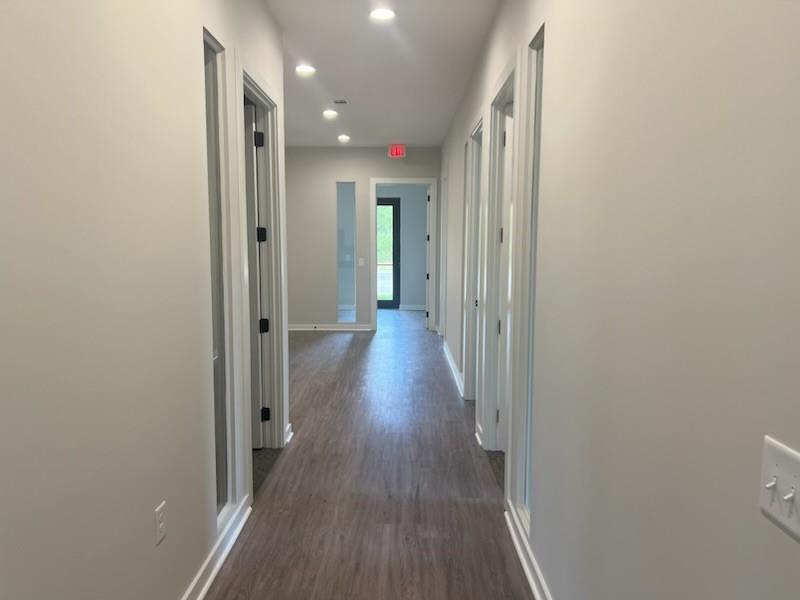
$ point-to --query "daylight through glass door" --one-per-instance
(388, 259)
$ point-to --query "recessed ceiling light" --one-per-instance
(329, 114)
(304, 70)
(344, 138)
(382, 14)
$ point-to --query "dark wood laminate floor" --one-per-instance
(383, 493)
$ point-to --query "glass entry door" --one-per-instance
(388, 259)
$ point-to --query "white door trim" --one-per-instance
(231, 85)
(519, 459)
(470, 278)
(441, 246)
(487, 390)
(236, 343)
(272, 212)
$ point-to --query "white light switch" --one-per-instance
(161, 522)
(361, 261)
(780, 486)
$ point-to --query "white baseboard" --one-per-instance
(412, 307)
(453, 368)
(529, 565)
(332, 327)
(198, 589)
(288, 434)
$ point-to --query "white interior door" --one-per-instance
(505, 283)
(258, 239)
(471, 279)
(429, 263)
(253, 262)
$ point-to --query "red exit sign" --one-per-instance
(397, 150)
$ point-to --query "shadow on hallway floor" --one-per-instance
(263, 461)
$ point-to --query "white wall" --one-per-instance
(666, 317)
(311, 176)
(106, 306)
(413, 241)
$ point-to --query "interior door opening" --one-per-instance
(260, 149)
(522, 429)
(492, 403)
(501, 258)
(504, 261)
(473, 151)
(403, 245)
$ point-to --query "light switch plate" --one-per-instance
(781, 502)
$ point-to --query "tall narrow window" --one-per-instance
(217, 273)
(346, 250)
(537, 56)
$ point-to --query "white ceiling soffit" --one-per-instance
(403, 80)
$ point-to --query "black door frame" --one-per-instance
(395, 204)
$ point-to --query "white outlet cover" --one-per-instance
(782, 463)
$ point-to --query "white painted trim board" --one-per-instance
(530, 566)
(453, 368)
(332, 327)
(420, 307)
(202, 581)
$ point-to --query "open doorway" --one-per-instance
(522, 428)
(261, 186)
(504, 182)
(498, 289)
(403, 276)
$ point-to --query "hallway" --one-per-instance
(580, 219)
(383, 492)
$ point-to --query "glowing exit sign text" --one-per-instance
(397, 151)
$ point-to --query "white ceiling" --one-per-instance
(403, 80)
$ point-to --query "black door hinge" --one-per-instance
(261, 234)
(498, 416)
(499, 327)
(427, 314)
(263, 325)
(258, 139)
(265, 416)
(427, 276)
(429, 237)
(504, 139)
(476, 304)
(501, 235)
(429, 197)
